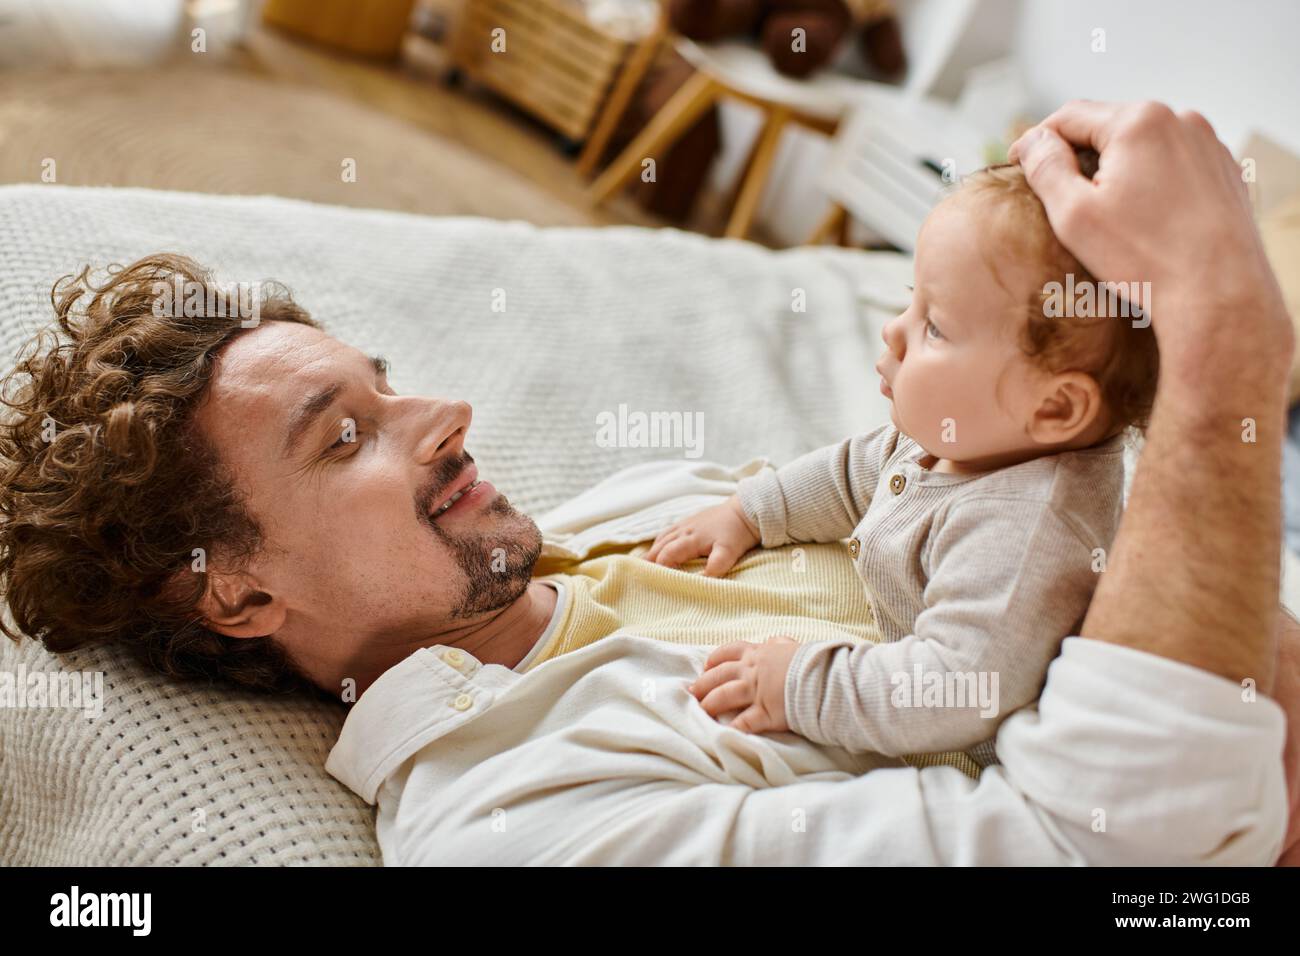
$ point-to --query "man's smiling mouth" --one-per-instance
(455, 498)
(463, 491)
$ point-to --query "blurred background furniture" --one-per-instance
(141, 128)
(931, 34)
(736, 71)
(364, 27)
(545, 56)
(897, 153)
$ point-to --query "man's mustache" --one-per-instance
(440, 479)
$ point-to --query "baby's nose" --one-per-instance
(891, 337)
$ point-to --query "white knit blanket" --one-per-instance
(654, 320)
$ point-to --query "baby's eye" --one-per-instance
(932, 330)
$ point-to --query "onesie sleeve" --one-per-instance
(820, 497)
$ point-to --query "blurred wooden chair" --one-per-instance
(892, 160)
(886, 117)
(723, 70)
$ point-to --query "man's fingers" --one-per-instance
(1053, 173)
(1083, 123)
(1227, 163)
(1198, 121)
(733, 695)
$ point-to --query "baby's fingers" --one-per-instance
(677, 550)
(715, 677)
(753, 720)
(721, 560)
(664, 537)
(733, 695)
(727, 652)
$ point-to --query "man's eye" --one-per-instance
(344, 440)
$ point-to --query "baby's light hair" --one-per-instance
(1123, 359)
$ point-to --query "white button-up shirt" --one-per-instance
(601, 756)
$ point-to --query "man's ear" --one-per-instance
(1069, 405)
(236, 606)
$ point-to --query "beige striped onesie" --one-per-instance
(974, 581)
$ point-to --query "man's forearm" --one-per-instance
(1194, 573)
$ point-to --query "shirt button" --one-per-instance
(463, 702)
(854, 548)
(454, 657)
(897, 484)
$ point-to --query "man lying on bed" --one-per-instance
(256, 504)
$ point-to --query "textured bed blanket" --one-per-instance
(654, 320)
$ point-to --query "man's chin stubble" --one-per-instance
(498, 564)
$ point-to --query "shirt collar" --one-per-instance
(426, 696)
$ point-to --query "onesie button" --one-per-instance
(854, 548)
(454, 657)
(463, 702)
(897, 484)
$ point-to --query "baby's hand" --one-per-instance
(749, 678)
(722, 532)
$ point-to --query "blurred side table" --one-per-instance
(740, 72)
(366, 27)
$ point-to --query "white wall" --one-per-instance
(1235, 62)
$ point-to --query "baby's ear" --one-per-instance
(1069, 406)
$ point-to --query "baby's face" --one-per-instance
(958, 381)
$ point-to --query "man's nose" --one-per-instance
(444, 430)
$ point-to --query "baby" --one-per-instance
(978, 520)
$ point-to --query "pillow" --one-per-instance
(170, 774)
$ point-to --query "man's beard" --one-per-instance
(498, 564)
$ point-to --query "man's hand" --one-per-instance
(1194, 572)
(1169, 206)
(749, 678)
(723, 532)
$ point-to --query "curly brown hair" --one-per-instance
(107, 487)
(1121, 356)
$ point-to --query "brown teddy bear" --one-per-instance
(773, 24)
